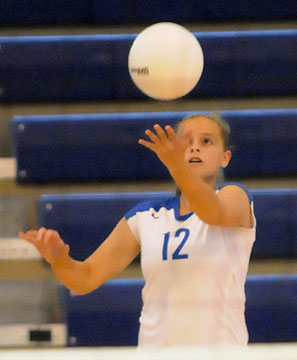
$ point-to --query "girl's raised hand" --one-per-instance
(48, 243)
(165, 143)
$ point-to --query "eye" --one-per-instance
(207, 141)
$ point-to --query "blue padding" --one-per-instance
(109, 315)
(276, 213)
(46, 12)
(263, 143)
(94, 67)
(60, 68)
(105, 146)
(85, 220)
(192, 11)
(111, 12)
(271, 308)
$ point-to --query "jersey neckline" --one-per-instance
(176, 206)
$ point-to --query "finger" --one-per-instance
(147, 144)
(41, 233)
(160, 132)
(31, 238)
(22, 235)
(187, 135)
(66, 247)
(170, 132)
(49, 237)
(152, 136)
(56, 236)
(32, 233)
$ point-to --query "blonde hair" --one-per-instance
(217, 118)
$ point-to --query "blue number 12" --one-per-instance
(176, 255)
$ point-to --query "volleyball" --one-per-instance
(165, 61)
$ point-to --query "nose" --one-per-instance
(194, 145)
(195, 149)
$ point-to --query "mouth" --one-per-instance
(195, 160)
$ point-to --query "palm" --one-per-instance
(48, 243)
(166, 144)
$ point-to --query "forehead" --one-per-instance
(200, 124)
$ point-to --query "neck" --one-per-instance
(184, 206)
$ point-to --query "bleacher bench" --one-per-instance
(85, 220)
(95, 67)
(109, 315)
(103, 147)
(118, 12)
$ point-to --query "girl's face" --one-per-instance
(205, 148)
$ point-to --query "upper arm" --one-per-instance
(235, 209)
(113, 255)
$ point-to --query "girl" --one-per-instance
(195, 247)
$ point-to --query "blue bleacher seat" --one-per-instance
(91, 67)
(85, 220)
(271, 309)
(109, 315)
(87, 147)
(276, 213)
(16, 13)
(90, 12)
(192, 11)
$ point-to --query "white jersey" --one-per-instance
(194, 277)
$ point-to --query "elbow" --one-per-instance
(211, 218)
(211, 221)
(82, 290)
(81, 280)
(84, 287)
(76, 292)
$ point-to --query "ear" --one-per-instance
(226, 158)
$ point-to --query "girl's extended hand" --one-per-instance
(165, 143)
(48, 243)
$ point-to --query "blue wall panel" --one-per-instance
(109, 315)
(118, 12)
(102, 147)
(94, 67)
(85, 220)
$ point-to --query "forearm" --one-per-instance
(199, 194)
(73, 274)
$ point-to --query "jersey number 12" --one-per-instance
(176, 255)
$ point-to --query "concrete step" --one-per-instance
(33, 335)
(28, 301)
(17, 249)
(7, 168)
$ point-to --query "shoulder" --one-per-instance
(235, 189)
(236, 203)
(154, 205)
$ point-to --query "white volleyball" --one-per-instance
(165, 61)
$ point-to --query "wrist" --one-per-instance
(179, 169)
(61, 261)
